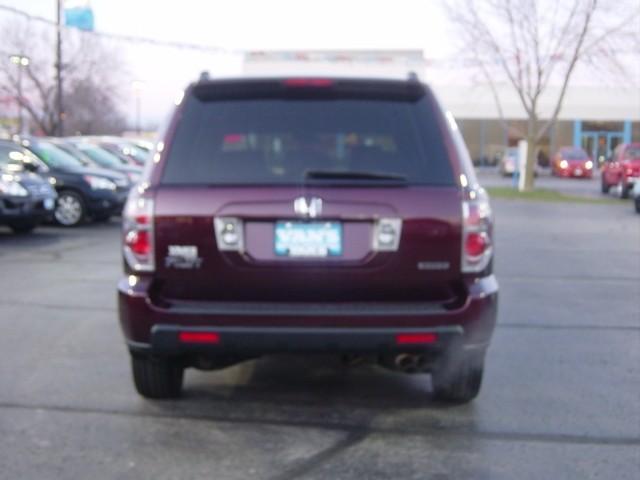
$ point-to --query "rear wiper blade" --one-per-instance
(342, 175)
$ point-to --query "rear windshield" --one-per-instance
(280, 141)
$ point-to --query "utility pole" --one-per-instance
(59, 103)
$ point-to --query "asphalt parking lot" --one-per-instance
(561, 397)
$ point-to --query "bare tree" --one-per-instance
(531, 44)
(92, 74)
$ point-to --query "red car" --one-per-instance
(309, 215)
(622, 169)
(572, 162)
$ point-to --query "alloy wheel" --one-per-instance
(69, 210)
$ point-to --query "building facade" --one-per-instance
(595, 116)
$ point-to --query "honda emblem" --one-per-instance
(310, 209)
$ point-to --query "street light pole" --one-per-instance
(20, 119)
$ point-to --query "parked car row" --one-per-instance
(620, 173)
(66, 180)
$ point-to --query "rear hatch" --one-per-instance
(308, 190)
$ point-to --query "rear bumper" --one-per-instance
(251, 341)
(254, 328)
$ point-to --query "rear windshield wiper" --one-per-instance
(346, 175)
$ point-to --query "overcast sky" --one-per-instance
(250, 25)
(270, 24)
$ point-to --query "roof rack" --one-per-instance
(413, 76)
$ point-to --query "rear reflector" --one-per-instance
(199, 337)
(476, 243)
(416, 338)
(308, 82)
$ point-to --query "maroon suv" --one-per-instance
(309, 215)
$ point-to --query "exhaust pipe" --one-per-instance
(350, 360)
(409, 362)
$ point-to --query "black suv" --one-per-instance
(82, 191)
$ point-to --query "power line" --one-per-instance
(124, 38)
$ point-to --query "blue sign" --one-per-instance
(79, 17)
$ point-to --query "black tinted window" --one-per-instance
(273, 141)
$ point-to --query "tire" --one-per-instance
(637, 204)
(157, 378)
(623, 191)
(22, 227)
(70, 209)
(458, 381)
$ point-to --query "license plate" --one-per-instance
(308, 239)
(49, 203)
(578, 171)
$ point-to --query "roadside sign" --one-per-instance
(79, 14)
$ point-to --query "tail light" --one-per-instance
(138, 238)
(477, 246)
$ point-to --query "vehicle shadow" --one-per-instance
(314, 391)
